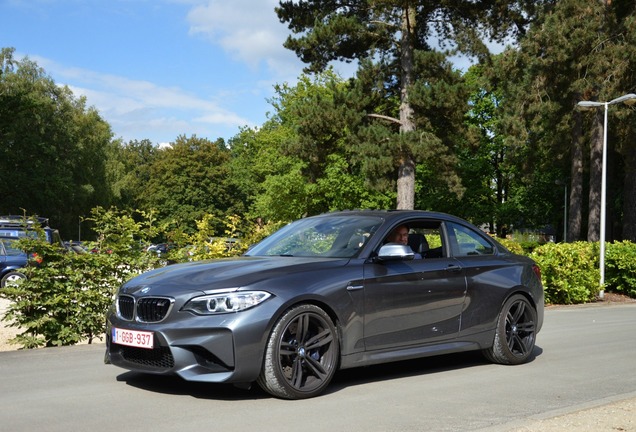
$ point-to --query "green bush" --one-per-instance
(205, 244)
(569, 271)
(620, 267)
(65, 296)
(511, 245)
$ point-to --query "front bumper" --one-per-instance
(223, 348)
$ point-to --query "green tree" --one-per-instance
(64, 298)
(394, 35)
(188, 179)
(299, 163)
(439, 102)
(52, 147)
(482, 161)
(128, 168)
(577, 50)
(269, 181)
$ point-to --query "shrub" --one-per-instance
(569, 271)
(620, 267)
(512, 246)
(65, 297)
(239, 235)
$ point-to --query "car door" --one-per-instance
(412, 302)
(488, 276)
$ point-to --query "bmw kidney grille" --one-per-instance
(144, 309)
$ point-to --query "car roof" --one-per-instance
(20, 221)
(391, 215)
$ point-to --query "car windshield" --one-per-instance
(330, 236)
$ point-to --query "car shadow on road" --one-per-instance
(411, 368)
(177, 386)
(343, 379)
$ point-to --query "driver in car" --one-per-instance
(400, 235)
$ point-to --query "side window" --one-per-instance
(467, 242)
(12, 250)
(425, 239)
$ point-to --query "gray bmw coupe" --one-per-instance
(330, 292)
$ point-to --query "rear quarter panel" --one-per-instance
(490, 281)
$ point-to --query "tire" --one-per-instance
(515, 334)
(302, 354)
(11, 278)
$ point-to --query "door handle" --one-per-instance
(453, 268)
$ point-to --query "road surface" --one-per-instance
(585, 357)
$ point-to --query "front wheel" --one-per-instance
(516, 332)
(302, 354)
(12, 278)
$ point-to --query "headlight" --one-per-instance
(226, 302)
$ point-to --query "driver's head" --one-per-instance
(399, 235)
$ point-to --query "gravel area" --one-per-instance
(607, 417)
(6, 332)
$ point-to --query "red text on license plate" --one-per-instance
(133, 338)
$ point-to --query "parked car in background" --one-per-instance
(330, 292)
(18, 226)
(12, 260)
(75, 247)
(161, 248)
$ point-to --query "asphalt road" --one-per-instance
(585, 356)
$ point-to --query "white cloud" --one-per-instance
(249, 31)
(134, 106)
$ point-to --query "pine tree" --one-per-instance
(392, 34)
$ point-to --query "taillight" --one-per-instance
(536, 270)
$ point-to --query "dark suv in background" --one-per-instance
(12, 259)
(18, 226)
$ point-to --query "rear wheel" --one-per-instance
(516, 332)
(302, 354)
(12, 278)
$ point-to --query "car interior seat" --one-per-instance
(418, 243)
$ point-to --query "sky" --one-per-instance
(158, 69)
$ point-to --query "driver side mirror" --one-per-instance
(395, 252)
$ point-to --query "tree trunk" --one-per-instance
(596, 166)
(576, 182)
(629, 195)
(406, 170)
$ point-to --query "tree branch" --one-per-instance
(383, 117)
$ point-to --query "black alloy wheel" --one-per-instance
(302, 354)
(516, 332)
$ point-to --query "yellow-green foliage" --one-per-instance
(511, 245)
(569, 271)
(434, 241)
(620, 267)
(238, 236)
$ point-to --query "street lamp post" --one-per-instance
(79, 229)
(628, 99)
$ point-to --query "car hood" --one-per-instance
(209, 275)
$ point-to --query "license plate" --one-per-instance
(140, 339)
